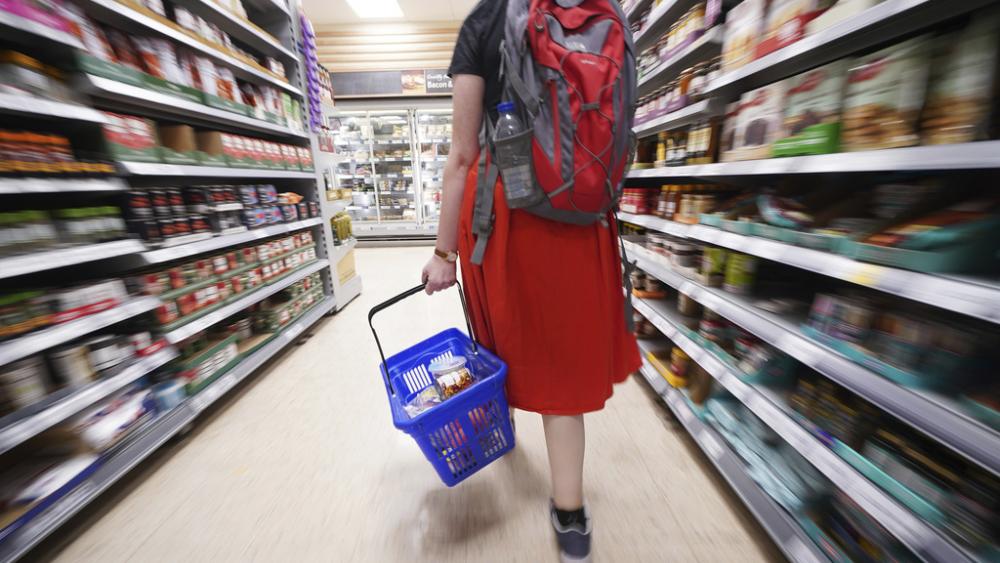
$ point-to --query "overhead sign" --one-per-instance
(391, 83)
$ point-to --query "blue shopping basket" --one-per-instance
(465, 432)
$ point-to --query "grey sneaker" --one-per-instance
(574, 540)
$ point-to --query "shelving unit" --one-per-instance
(129, 19)
(60, 406)
(187, 171)
(970, 296)
(705, 47)
(271, 30)
(33, 106)
(924, 411)
(913, 532)
(34, 342)
(61, 257)
(936, 416)
(684, 116)
(960, 156)
(779, 525)
(149, 438)
(143, 101)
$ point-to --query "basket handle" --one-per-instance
(392, 301)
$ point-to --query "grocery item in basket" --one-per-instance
(451, 375)
(885, 92)
(961, 104)
(744, 27)
(812, 114)
(423, 401)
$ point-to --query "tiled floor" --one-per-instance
(304, 465)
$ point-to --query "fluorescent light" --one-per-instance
(376, 9)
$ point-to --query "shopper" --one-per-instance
(548, 295)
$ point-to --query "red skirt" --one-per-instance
(548, 300)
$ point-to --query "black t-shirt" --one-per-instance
(477, 50)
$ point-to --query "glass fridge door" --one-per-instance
(434, 144)
(392, 157)
(354, 169)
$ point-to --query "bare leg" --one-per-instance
(564, 438)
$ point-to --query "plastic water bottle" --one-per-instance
(513, 154)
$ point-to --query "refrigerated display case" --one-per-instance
(434, 145)
(353, 166)
(392, 158)
(391, 161)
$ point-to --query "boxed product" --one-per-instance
(727, 138)
(237, 150)
(812, 114)
(787, 21)
(305, 159)
(212, 148)
(744, 25)
(760, 122)
(163, 69)
(885, 92)
(960, 102)
(131, 138)
(179, 145)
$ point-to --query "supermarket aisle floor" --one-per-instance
(305, 466)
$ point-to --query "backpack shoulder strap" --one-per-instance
(486, 181)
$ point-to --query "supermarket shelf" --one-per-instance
(636, 10)
(923, 411)
(59, 406)
(51, 259)
(239, 28)
(270, 5)
(659, 21)
(913, 532)
(34, 342)
(341, 250)
(348, 291)
(975, 297)
(217, 243)
(884, 22)
(786, 533)
(11, 186)
(34, 106)
(157, 169)
(204, 322)
(148, 439)
(701, 49)
(25, 31)
(684, 116)
(147, 102)
(961, 156)
(129, 19)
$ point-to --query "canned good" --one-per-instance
(679, 362)
(741, 271)
(167, 228)
(161, 202)
(248, 195)
(72, 364)
(138, 205)
(147, 229)
(22, 383)
(182, 226)
(199, 224)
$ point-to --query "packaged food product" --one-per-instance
(812, 114)
(961, 100)
(727, 138)
(424, 400)
(760, 122)
(22, 384)
(451, 375)
(124, 49)
(885, 92)
(741, 272)
(21, 74)
(680, 362)
(89, 33)
(787, 21)
(225, 84)
(131, 138)
(744, 27)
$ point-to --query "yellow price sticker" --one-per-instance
(866, 274)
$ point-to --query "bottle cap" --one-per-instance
(505, 107)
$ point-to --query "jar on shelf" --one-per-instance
(684, 81)
(699, 79)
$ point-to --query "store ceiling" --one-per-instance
(339, 12)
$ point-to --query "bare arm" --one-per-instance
(467, 104)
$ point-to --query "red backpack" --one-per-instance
(569, 67)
